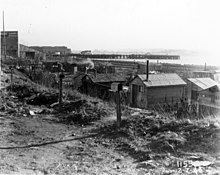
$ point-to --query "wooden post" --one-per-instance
(118, 108)
(61, 76)
(197, 109)
(60, 90)
(116, 88)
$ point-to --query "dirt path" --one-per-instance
(82, 156)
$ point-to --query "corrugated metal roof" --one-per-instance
(107, 78)
(162, 80)
(203, 83)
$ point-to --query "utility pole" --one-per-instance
(4, 40)
(0, 57)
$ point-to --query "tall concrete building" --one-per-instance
(9, 43)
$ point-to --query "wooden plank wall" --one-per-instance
(142, 96)
(163, 95)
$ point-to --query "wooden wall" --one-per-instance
(165, 95)
(99, 90)
(154, 95)
(141, 97)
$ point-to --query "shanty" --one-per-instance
(153, 89)
(98, 85)
(204, 92)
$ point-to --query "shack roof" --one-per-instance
(104, 78)
(78, 74)
(162, 80)
(203, 83)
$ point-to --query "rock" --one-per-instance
(31, 112)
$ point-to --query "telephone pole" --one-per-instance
(4, 40)
(0, 56)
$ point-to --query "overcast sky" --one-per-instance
(116, 24)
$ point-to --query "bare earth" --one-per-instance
(82, 156)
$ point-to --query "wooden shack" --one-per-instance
(153, 89)
(204, 93)
(213, 74)
(77, 80)
(98, 85)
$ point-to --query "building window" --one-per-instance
(141, 88)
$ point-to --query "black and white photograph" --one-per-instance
(109, 87)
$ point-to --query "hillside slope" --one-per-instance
(84, 139)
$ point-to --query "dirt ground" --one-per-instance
(40, 143)
(68, 156)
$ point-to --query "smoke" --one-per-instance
(81, 61)
(91, 64)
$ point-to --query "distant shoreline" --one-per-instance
(174, 62)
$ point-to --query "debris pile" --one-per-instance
(162, 134)
(69, 106)
(83, 112)
(12, 105)
(43, 98)
(162, 144)
(23, 98)
(22, 91)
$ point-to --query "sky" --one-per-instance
(117, 24)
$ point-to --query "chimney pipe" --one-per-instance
(147, 70)
(86, 72)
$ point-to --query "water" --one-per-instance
(193, 60)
